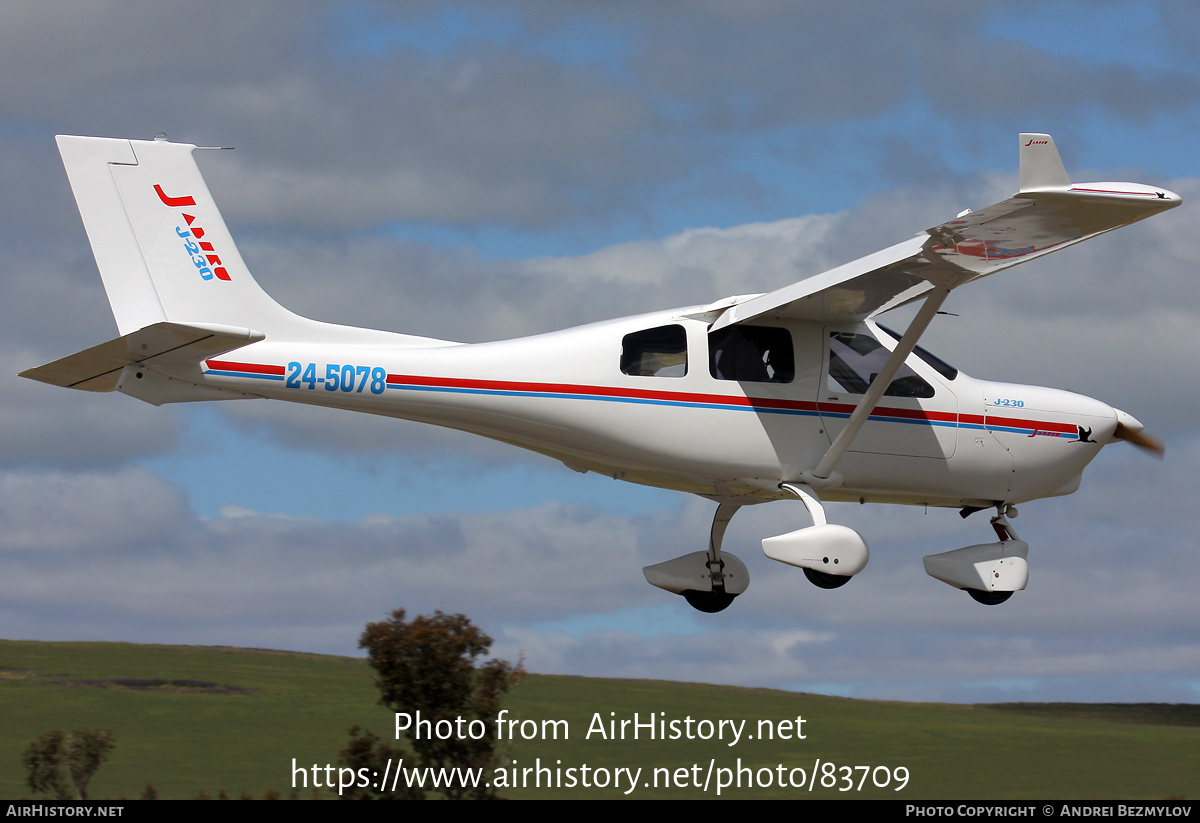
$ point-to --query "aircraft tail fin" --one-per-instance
(162, 248)
(178, 287)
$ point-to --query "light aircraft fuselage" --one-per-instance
(971, 443)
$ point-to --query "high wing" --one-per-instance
(1047, 214)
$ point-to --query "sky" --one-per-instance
(486, 170)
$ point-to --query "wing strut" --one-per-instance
(882, 380)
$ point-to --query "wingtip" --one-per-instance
(1041, 166)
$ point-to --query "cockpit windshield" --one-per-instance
(856, 359)
(931, 360)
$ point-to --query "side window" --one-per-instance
(855, 359)
(659, 352)
(753, 354)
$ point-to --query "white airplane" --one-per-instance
(793, 394)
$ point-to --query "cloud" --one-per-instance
(607, 163)
(57, 512)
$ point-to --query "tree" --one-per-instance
(63, 764)
(367, 751)
(428, 665)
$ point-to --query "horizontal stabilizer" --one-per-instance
(99, 368)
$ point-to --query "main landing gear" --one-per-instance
(708, 581)
(829, 554)
(989, 572)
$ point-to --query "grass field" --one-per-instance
(188, 719)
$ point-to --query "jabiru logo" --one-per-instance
(201, 252)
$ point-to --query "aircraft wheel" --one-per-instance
(708, 602)
(989, 598)
(826, 581)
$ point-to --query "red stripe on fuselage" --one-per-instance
(1018, 423)
(253, 368)
(887, 411)
(599, 391)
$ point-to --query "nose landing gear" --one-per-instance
(989, 572)
(989, 598)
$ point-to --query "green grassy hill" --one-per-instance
(187, 719)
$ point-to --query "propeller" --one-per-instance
(1131, 430)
